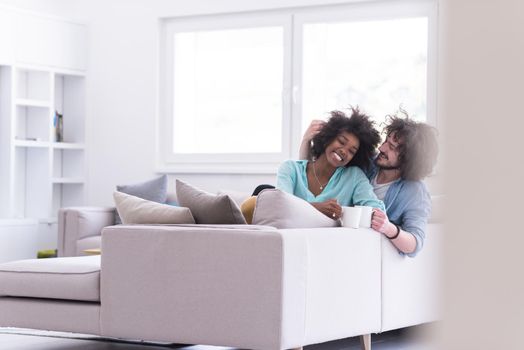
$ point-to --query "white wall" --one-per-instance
(60, 8)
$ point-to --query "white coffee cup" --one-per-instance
(365, 215)
(351, 216)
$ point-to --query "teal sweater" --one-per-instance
(349, 186)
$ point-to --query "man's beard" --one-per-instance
(386, 167)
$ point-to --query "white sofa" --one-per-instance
(243, 286)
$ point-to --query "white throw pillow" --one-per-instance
(134, 210)
(283, 210)
(152, 190)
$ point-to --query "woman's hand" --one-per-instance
(330, 208)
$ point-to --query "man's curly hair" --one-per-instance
(357, 124)
(418, 145)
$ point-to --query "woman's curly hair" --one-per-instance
(418, 145)
(357, 124)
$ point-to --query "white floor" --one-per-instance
(406, 339)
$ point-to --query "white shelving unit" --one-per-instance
(47, 174)
(42, 71)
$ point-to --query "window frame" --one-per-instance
(219, 162)
(292, 21)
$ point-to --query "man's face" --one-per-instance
(388, 153)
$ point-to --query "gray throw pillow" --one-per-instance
(152, 190)
(208, 208)
(283, 210)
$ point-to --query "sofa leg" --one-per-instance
(365, 342)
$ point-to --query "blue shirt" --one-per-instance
(349, 186)
(408, 205)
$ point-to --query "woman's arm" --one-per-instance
(329, 207)
(363, 193)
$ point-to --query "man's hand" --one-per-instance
(330, 208)
(305, 145)
(313, 129)
(380, 222)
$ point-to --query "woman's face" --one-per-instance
(342, 149)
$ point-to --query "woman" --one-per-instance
(335, 176)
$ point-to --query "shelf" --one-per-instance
(49, 220)
(24, 102)
(67, 145)
(31, 143)
(17, 222)
(67, 180)
(55, 145)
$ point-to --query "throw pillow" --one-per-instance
(208, 208)
(248, 207)
(238, 196)
(152, 190)
(283, 210)
(134, 210)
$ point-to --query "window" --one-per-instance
(237, 91)
(228, 88)
(368, 63)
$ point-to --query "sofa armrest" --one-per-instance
(75, 223)
(411, 286)
(256, 289)
(343, 289)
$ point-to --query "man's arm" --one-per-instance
(404, 241)
(305, 145)
(416, 208)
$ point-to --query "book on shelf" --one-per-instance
(58, 124)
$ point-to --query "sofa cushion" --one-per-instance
(208, 208)
(283, 210)
(88, 243)
(71, 278)
(134, 210)
(152, 190)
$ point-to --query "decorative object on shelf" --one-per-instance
(58, 124)
(47, 253)
(20, 138)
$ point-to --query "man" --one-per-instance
(407, 156)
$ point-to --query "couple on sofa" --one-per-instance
(340, 168)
